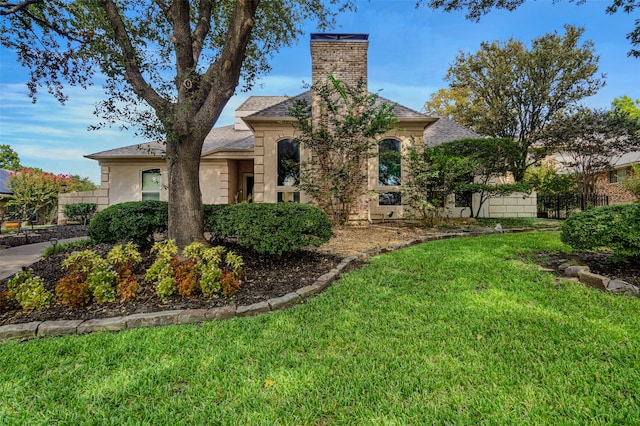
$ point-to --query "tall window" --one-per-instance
(151, 184)
(288, 169)
(389, 171)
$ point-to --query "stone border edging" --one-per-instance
(193, 316)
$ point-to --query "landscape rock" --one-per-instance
(284, 302)
(192, 316)
(593, 280)
(307, 291)
(221, 313)
(59, 328)
(574, 270)
(254, 309)
(105, 324)
(153, 319)
(563, 266)
(19, 331)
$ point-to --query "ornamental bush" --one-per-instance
(614, 227)
(79, 212)
(274, 229)
(29, 291)
(135, 221)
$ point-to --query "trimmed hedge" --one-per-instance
(79, 212)
(274, 229)
(135, 221)
(614, 227)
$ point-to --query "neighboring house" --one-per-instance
(610, 182)
(5, 192)
(246, 160)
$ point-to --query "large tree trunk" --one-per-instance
(186, 216)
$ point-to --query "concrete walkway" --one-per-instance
(13, 259)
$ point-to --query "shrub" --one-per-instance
(275, 229)
(186, 279)
(127, 285)
(29, 291)
(79, 212)
(163, 269)
(72, 290)
(102, 285)
(135, 221)
(51, 250)
(615, 227)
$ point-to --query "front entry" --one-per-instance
(247, 187)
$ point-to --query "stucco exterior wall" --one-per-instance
(518, 204)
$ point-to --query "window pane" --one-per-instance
(390, 199)
(288, 162)
(288, 197)
(389, 165)
(151, 196)
(151, 180)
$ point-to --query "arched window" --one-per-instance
(389, 171)
(288, 169)
(151, 184)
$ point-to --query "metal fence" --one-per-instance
(561, 206)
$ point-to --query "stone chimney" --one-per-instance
(342, 55)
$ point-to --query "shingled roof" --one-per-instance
(281, 109)
(4, 180)
(446, 130)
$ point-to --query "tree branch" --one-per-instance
(132, 71)
(7, 8)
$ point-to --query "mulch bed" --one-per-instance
(264, 278)
(40, 235)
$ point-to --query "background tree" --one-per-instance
(632, 184)
(453, 103)
(628, 106)
(340, 139)
(590, 141)
(171, 67)
(515, 92)
(35, 194)
(477, 8)
(475, 166)
(9, 159)
(490, 160)
(547, 180)
(433, 176)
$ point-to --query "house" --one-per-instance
(610, 182)
(244, 161)
(5, 192)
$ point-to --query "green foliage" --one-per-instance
(124, 256)
(514, 92)
(274, 229)
(466, 165)
(547, 181)
(102, 285)
(84, 262)
(51, 250)
(340, 137)
(29, 292)
(162, 271)
(590, 141)
(628, 106)
(135, 221)
(614, 227)
(9, 159)
(476, 8)
(632, 184)
(36, 192)
(79, 212)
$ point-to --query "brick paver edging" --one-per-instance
(192, 316)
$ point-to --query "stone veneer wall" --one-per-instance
(345, 59)
(515, 205)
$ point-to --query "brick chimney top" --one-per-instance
(339, 37)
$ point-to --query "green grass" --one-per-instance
(519, 222)
(449, 332)
(51, 250)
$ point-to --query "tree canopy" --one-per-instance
(628, 106)
(515, 91)
(590, 141)
(170, 67)
(477, 8)
(9, 159)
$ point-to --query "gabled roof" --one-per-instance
(142, 150)
(281, 109)
(4, 180)
(628, 159)
(446, 130)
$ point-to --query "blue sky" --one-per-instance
(409, 53)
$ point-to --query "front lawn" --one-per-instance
(449, 332)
